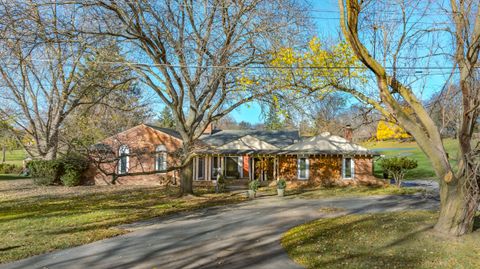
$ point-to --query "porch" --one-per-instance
(242, 168)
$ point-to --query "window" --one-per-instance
(160, 158)
(348, 168)
(201, 168)
(232, 167)
(302, 167)
(123, 152)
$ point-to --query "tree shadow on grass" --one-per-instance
(10, 248)
(11, 177)
(341, 243)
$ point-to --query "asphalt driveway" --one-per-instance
(245, 235)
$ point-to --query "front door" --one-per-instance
(264, 168)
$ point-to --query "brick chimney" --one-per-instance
(209, 129)
(348, 133)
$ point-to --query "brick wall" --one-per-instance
(287, 167)
(364, 170)
(327, 171)
(142, 142)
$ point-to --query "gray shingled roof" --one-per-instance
(326, 142)
(166, 130)
(288, 142)
(279, 139)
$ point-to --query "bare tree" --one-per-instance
(7, 139)
(444, 110)
(40, 67)
(459, 189)
(202, 58)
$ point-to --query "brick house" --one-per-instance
(138, 153)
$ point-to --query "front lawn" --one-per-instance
(36, 220)
(355, 191)
(329, 192)
(15, 156)
(387, 240)
(411, 150)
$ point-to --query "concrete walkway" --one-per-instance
(245, 235)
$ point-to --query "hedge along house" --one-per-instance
(138, 153)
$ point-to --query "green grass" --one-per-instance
(411, 150)
(355, 191)
(35, 220)
(387, 240)
(348, 191)
(15, 157)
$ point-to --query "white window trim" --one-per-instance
(307, 168)
(352, 165)
(164, 162)
(161, 150)
(126, 150)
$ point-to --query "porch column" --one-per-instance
(278, 166)
(264, 164)
(275, 168)
(249, 167)
(253, 169)
(194, 164)
(208, 170)
(240, 166)
(222, 165)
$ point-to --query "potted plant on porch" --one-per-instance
(252, 188)
(281, 186)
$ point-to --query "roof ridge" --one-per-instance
(168, 131)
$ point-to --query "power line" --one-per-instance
(256, 67)
(307, 11)
(236, 6)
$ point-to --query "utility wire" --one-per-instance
(257, 67)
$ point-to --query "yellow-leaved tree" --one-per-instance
(389, 130)
(314, 70)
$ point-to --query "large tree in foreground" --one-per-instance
(202, 58)
(459, 188)
(41, 68)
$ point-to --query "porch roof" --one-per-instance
(287, 152)
(279, 139)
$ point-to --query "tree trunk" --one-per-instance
(457, 209)
(186, 174)
(4, 153)
(51, 154)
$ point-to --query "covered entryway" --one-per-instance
(264, 168)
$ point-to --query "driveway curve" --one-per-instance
(245, 235)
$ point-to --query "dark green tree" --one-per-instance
(112, 101)
(272, 119)
(166, 118)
